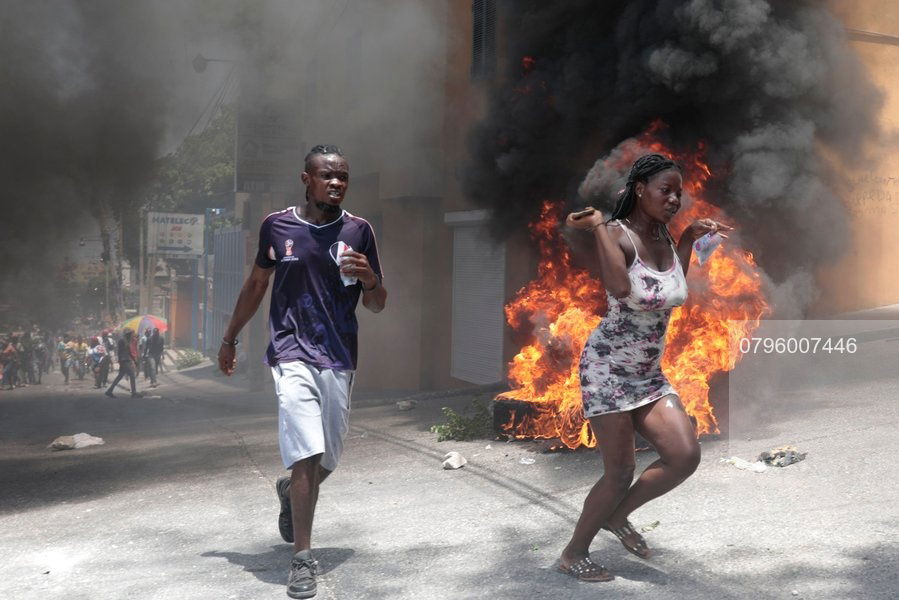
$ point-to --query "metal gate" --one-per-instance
(478, 287)
(227, 279)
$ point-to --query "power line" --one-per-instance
(212, 101)
(221, 99)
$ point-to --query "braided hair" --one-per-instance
(319, 150)
(643, 168)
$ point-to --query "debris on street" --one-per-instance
(745, 465)
(782, 456)
(526, 460)
(406, 404)
(650, 526)
(454, 460)
(75, 442)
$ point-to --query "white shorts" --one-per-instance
(313, 412)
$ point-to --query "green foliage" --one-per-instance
(196, 176)
(476, 422)
(200, 173)
(188, 358)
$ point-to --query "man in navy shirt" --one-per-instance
(312, 322)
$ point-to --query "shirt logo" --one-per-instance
(288, 252)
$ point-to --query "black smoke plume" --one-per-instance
(92, 91)
(80, 119)
(771, 88)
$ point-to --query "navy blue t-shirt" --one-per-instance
(312, 317)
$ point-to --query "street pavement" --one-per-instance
(179, 503)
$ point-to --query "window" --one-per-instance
(483, 39)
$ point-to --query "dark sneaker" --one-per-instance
(107, 394)
(285, 519)
(301, 581)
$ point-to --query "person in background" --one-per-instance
(143, 349)
(105, 363)
(109, 343)
(11, 360)
(127, 355)
(80, 360)
(27, 356)
(157, 347)
(63, 353)
(40, 358)
(97, 358)
(3, 360)
(147, 358)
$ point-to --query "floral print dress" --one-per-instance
(620, 367)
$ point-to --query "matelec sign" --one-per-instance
(175, 234)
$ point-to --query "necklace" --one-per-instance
(655, 231)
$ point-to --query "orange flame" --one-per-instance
(562, 306)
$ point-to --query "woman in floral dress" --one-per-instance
(624, 390)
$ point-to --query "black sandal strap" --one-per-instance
(585, 566)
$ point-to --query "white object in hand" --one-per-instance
(705, 245)
(339, 259)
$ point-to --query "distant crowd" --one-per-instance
(27, 355)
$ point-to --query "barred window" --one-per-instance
(483, 39)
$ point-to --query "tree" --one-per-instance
(198, 175)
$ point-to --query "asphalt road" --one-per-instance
(179, 503)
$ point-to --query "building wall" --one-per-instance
(466, 103)
(865, 276)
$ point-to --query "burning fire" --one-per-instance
(563, 304)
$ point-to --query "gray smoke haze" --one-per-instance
(80, 119)
(769, 87)
(94, 91)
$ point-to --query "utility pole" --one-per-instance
(141, 300)
(151, 281)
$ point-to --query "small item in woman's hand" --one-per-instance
(583, 213)
(705, 245)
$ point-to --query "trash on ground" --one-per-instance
(745, 465)
(406, 404)
(782, 456)
(453, 460)
(488, 447)
(526, 460)
(75, 442)
(650, 527)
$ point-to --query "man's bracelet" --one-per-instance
(233, 342)
(372, 288)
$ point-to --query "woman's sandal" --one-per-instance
(586, 570)
(637, 547)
